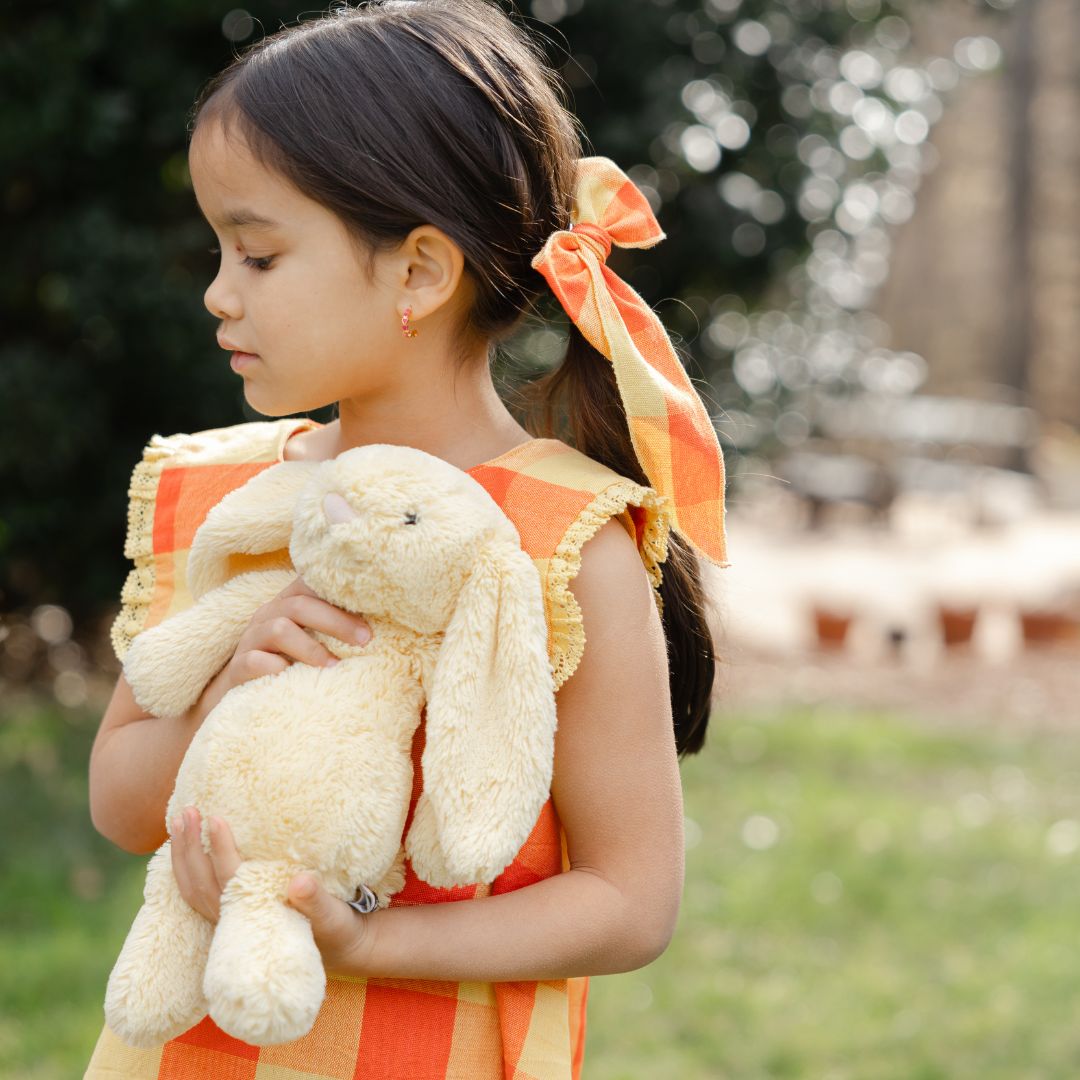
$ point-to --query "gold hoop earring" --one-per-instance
(405, 328)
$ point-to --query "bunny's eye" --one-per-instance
(411, 518)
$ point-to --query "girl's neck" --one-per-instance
(465, 424)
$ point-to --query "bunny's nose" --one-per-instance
(337, 509)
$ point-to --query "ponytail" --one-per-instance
(579, 401)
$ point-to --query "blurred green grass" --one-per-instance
(67, 895)
(868, 896)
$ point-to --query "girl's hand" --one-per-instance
(341, 933)
(275, 637)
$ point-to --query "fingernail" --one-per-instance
(332, 661)
(363, 634)
(305, 887)
(178, 824)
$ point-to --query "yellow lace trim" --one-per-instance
(564, 621)
(137, 592)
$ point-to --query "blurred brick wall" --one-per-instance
(985, 277)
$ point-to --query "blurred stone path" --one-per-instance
(890, 584)
(1036, 691)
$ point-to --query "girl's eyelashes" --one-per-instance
(256, 264)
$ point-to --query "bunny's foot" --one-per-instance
(155, 990)
(264, 977)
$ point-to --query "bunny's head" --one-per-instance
(393, 531)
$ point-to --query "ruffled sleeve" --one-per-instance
(175, 484)
(557, 498)
(642, 512)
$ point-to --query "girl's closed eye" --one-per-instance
(256, 264)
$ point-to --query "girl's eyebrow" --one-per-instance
(243, 217)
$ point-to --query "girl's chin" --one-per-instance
(258, 399)
(264, 405)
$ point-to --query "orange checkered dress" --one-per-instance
(386, 1029)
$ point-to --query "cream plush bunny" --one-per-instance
(311, 767)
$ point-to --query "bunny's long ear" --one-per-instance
(254, 518)
(490, 732)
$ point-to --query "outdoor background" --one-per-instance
(872, 265)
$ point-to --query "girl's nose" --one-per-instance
(221, 301)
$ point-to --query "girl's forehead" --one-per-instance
(229, 183)
(219, 159)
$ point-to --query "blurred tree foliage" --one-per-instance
(105, 338)
(635, 110)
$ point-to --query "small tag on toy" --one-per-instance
(365, 900)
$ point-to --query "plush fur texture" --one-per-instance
(311, 767)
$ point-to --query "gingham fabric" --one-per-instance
(390, 1029)
(671, 430)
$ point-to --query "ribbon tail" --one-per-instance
(672, 433)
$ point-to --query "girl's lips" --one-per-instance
(242, 359)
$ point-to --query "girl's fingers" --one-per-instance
(223, 854)
(190, 876)
(282, 628)
(309, 609)
(179, 862)
(254, 663)
(200, 877)
(318, 614)
(202, 880)
(281, 635)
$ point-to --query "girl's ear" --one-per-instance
(252, 519)
(490, 731)
(432, 266)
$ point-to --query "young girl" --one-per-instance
(392, 187)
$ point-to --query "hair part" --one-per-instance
(401, 113)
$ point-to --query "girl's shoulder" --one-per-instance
(257, 441)
(550, 477)
(174, 484)
(558, 498)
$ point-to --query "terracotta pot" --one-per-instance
(831, 628)
(1047, 627)
(957, 624)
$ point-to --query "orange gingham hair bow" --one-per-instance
(673, 436)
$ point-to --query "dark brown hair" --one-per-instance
(400, 113)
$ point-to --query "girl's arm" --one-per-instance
(617, 791)
(133, 765)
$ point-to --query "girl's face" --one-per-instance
(293, 292)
